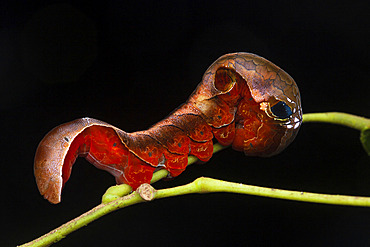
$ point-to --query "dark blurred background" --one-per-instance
(131, 63)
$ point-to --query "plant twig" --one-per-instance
(349, 120)
(200, 185)
(113, 199)
(210, 185)
(360, 123)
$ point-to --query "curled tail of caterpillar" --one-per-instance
(243, 100)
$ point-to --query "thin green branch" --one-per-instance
(210, 185)
(84, 219)
(349, 120)
(360, 123)
(114, 198)
(200, 185)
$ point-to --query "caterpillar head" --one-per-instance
(264, 100)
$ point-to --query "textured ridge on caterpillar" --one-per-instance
(243, 100)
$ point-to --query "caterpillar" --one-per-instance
(243, 100)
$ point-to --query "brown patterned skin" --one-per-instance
(243, 100)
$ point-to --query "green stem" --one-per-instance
(349, 120)
(114, 198)
(200, 185)
(84, 219)
(210, 185)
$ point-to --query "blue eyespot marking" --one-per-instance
(281, 110)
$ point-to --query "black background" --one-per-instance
(131, 63)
